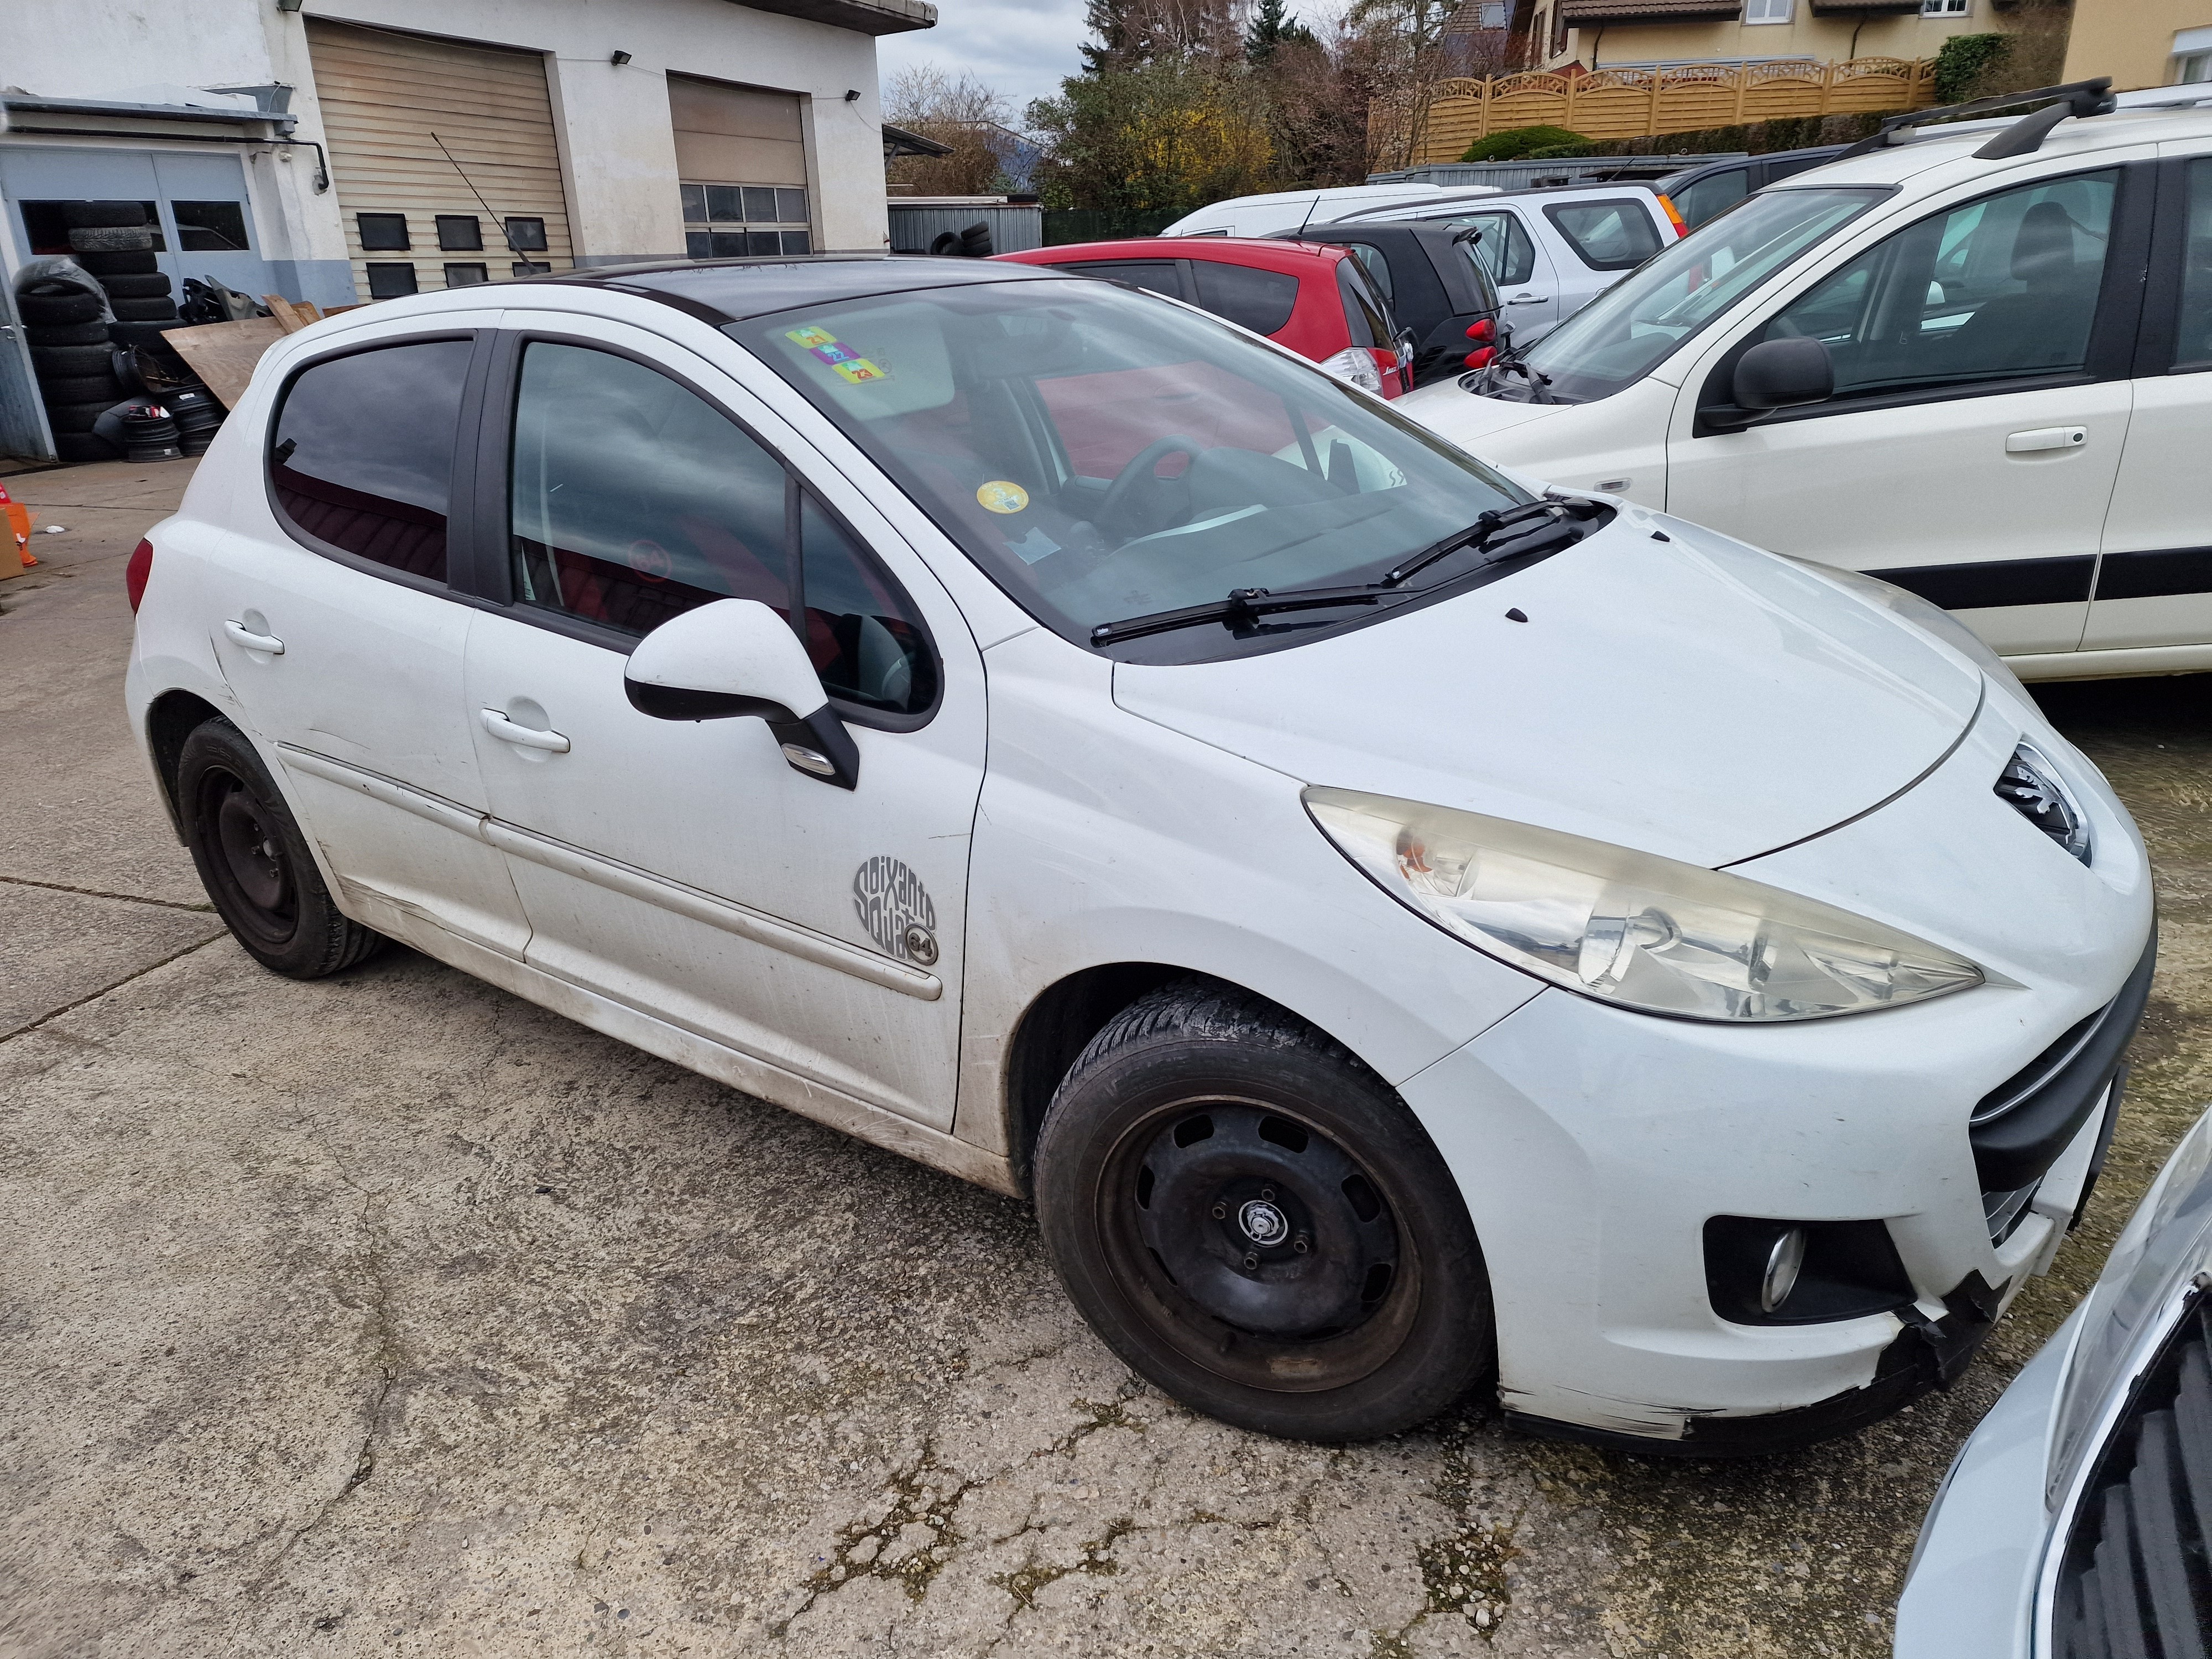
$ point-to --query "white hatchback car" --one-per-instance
(1409, 934)
(1974, 364)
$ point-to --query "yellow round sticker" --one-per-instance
(1000, 497)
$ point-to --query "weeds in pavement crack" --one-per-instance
(880, 1549)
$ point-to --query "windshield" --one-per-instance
(1104, 454)
(1622, 334)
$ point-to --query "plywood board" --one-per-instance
(224, 354)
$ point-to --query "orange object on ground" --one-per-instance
(19, 521)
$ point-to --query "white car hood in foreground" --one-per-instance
(1692, 697)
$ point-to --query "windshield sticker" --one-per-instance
(824, 347)
(1034, 546)
(1001, 496)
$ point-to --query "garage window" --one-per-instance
(526, 235)
(383, 232)
(362, 455)
(457, 232)
(727, 221)
(44, 232)
(390, 281)
(211, 227)
(464, 275)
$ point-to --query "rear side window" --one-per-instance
(1362, 314)
(362, 455)
(2193, 347)
(634, 499)
(1377, 267)
(1607, 235)
(1153, 275)
(1506, 250)
(1262, 301)
(1711, 194)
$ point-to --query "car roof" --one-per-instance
(1317, 193)
(1449, 205)
(1265, 254)
(1935, 157)
(730, 290)
(1688, 175)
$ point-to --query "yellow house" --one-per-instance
(2141, 43)
(1642, 34)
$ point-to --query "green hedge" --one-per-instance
(1965, 61)
(1528, 143)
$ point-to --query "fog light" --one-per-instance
(1784, 1263)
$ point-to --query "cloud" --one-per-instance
(1021, 48)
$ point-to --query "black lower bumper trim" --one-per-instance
(1927, 1354)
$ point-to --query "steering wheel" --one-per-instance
(1139, 475)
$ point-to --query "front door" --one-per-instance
(1981, 408)
(2154, 583)
(336, 630)
(685, 869)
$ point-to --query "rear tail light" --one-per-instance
(135, 571)
(1483, 332)
(1480, 357)
(1674, 215)
(1390, 370)
(1357, 366)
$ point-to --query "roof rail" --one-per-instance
(2023, 137)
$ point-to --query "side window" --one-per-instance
(1607, 235)
(361, 454)
(2193, 344)
(1506, 250)
(1711, 194)
(632, 500)
(1153, 275)
(2003, 286)
(1262, 301)
(1371, 261)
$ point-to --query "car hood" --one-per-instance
(1690, 696)
(1467, 419)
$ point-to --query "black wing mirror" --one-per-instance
(1784, 375)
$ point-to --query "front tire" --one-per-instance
(255, 864)
(1256, 1222)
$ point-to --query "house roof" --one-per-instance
(1648, 11)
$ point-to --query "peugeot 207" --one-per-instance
(1411, 935)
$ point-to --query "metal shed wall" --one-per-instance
(1013, 229)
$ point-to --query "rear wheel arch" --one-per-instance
(173, 716)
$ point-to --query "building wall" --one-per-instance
(2130, 41)
(617, 146)
(1826, 39)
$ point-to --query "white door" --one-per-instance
(1521, 267)
(334, 626)
(685, 868)
(1979, 416)
(2154, 582)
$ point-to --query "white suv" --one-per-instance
(1974, 365)
(1409, 934)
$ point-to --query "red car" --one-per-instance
(1318, 301)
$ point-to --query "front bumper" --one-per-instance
(1594, 1144)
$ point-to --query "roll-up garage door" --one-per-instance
(741, 156)
(441, 153)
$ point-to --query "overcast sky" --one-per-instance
(1022, 48)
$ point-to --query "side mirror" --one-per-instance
(736, 658)
(1784, 375)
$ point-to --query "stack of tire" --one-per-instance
(70, 337)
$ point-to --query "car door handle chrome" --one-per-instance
(241, 634)
(2047, 437)
(529, 737)
(1528, 300)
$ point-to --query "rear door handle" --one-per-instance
(241, 634)
(1528, 299)
(529, 737)
(2047, 437)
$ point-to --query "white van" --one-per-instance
(1977, 365)
(1286, 210)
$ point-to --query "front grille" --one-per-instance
(2137, 1576)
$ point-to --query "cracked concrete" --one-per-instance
(390, 1315)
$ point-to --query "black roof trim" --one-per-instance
(2081, 98)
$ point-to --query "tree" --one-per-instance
(1164, 136)
(1272, 28)
(1130, 33)
(957, 110)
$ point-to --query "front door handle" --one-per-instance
(1528, 300)
(529, 737)
(2047, 437)
(240, 633)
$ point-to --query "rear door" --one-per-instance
(2154, 581)
(1982, 357)
(1521, 267)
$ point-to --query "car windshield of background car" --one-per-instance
(1104, 454)
(1620, 337)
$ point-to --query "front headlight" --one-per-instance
(1628, 927)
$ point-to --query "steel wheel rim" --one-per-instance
(246, 855)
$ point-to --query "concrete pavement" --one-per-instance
(391, 1315)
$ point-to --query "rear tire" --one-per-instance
(1256, 1222)
(255, 864)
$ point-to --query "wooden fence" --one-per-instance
(1627, 103)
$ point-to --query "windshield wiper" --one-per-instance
(1247, 605)
(1514, 357)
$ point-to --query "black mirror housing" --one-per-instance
(1784, 375)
